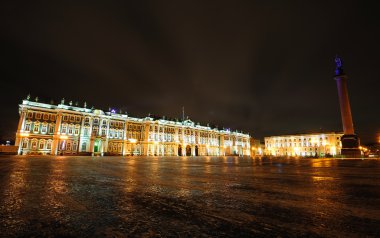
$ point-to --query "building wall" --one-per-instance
(322, 144)
(65, 129)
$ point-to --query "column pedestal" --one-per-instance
(350, 146)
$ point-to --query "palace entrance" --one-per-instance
(196, 151)
(179, 150)
(97, 146)
(188, 150)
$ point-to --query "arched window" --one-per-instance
(44, 127)
(75, 146)
(34, 144)
(95, 130)
(64, 128)
(48, 145)
(27, 125)
(25, 143)
(68, 147)
(36, 127)
(85, 132)
(41, 144)
(70, 129)
(76, 131)
(51, 128)
(84, 146)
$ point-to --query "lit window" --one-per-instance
(42, 144)
(95, 130)
(51, 129)
(44, 128)
(64, 129)
(30, 114)
(46, 116)
(68, 147)
(38, 115)
(65, 117)
(48, 145)
(25, 144)
(34, 144)
(76, 131)
(84, 146)
(70, 130)
(27, 126)
(36, 127)
(52, 117)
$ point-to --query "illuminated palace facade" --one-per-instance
(318, 144)
(66, 129)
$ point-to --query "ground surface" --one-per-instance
(188, 197)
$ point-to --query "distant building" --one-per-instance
(315, 144)
(67, 129)
(257, 148)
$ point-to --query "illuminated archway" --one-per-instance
(179, 150)
(188, 150)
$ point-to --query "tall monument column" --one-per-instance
(350, 141)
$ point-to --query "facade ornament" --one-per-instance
(28, 97)
(85, 104)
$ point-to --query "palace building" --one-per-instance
(66, 129)
(315, 144)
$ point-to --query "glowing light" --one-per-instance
(132, 140)
(24, 134)
(63, 137)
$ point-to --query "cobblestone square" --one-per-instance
(188, 197)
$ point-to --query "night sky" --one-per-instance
(264, 67)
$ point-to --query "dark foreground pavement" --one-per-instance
(188, 197)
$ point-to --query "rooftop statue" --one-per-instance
(338, 69)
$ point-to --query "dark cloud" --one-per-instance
(262, 67)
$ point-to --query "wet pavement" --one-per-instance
(188, 197)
